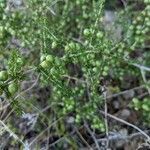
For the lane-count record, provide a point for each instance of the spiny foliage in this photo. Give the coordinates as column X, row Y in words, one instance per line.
column 74, row 49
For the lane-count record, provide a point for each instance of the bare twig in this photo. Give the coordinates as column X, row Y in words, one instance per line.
column 74, row 78
column 144, row 79
column 141, row 67
column 126, row 91
column 56, row 142
column 92, row 135
column 53, row 123
column 127, row 123
column 116, row 137
column 81, row 137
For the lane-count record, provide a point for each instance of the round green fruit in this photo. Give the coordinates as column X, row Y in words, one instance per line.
column 145, row 107
column 44, row 64
column 12, row 88
column 43, row 57
column 54, row 44
column 86, row 32
column 19, row 61
column 99, row 35
column 57, row 61
column 72, row 45
column 3, row 75
column 67, row 48
column 49, row 58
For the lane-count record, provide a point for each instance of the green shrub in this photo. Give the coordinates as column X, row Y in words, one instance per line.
column 65, row 35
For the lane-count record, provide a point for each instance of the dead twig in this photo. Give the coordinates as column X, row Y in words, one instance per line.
column 81, row 137
column 116, row 136
column 92, row 135
column 127, row 123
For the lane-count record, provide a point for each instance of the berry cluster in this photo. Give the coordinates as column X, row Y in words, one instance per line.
column 11, row 87
column 10, row 78
column 143, row 106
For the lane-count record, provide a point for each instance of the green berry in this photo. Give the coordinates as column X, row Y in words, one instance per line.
column 72, row 45
column 104, row 73
column 99, row 35
column 135, row 101
column 53, row 71
column 78, row 118
column 145, row 107
column 54, row 44
column 3, row 75
column 20, row 61
column 106, row 68
column 57, row 61
column 77, row 46
column 131, row 27
column 86, row 32
column 44, row 64
column 67, row 48
column 43, row 57
column 97, row 63
column 49, row 58
column 13, row 88
column 95, row 69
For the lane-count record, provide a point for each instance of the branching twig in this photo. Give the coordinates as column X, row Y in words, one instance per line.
column 81, row 137
column 127, row 123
